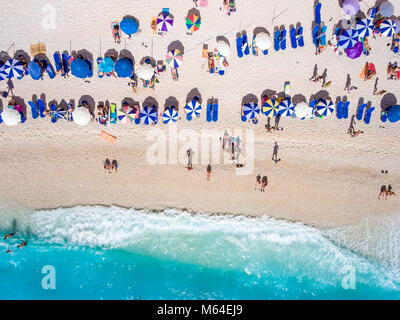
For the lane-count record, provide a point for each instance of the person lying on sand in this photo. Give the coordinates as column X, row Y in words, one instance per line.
column 22, row 245
column 9, row 235
column 356, row 133
column 366, row 47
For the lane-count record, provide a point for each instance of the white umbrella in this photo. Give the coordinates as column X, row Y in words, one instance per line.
column 397, row 22
column 145, row 72
column 263, row 41
column 81, row 116
column 11, row 117
column 303, row 110
column 386, row 9
column 223, row 48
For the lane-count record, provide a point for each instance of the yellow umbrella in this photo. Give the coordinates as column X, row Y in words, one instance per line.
column 270, row 108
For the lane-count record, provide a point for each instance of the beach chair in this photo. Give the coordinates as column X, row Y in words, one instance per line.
column 209, row 112
column 293, row 39
column 282, row 39
column 318, row 13
column 368, row 113
column 215, row 112
column 314, row 35
column 339, row 110
column 65, row 62
column 239, row 42
column 53, row 110
column 42, row 107
column 57, row 62
column 253, row 46
column 113, row 113
column 34, row 109
column 277, row 36
column 360, row 111
column 245, row 44
column 346, row 109
column 299, row 36
column 322, row 36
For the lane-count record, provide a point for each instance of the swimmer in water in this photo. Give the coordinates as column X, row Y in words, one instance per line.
column 8, row 235
column 22, row 245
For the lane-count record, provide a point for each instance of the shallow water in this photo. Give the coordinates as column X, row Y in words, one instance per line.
column 115, row 253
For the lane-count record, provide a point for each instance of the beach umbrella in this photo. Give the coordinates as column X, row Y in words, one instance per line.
column 34, row 70
column 193, row 108
column 123, row 67
column 223, row 48
column 263, row 41
column 286, row 108
column 387, row 28
column 164, row 22
column 364, row 27
column 129, row 26
column 170, row 115
column 148, row 115
column 145, row 72
column 394, row 113
column 397, row 22
column 348, row 38
column 270, row 108
column 13, row 68
column 351, row 7
column 251, row 110
column 355, row 52
column 174, row 58
column 81, row 116
column 193, row 22
column 386, row 9
column 303, row 110
column 324, row 107
column 80, row 68
column 106, row 65
column 126, row 114
column 10, row 116
column 2, row 73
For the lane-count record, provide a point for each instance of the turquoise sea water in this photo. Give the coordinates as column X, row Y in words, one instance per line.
column 115, row 253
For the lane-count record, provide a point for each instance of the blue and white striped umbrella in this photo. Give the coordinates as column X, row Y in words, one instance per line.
column 286, row 108
column 13, row 68
column 170, row 115
column 251, row 110
column 193, row 108
column 2, row 73
column 148, row 115
column 348, row 38
column 364, row 27
column 324, row 108
column 387, row 28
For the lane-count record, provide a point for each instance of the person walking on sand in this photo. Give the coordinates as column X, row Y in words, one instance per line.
column 107, row 165
column 264, row 183
column 114, row 166
column 383, row 193
column 258, row 182
column 190, row 154
column 275, row 153
column 208, row 172
column 389, row 191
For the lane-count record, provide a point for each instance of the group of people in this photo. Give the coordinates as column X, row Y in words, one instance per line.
column 385, row 192
column 261, row 183
column 393, row 71
column 110, row 166
column 21, row 245
column 232, row 145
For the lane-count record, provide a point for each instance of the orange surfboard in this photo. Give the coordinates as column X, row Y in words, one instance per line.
column 108, row 137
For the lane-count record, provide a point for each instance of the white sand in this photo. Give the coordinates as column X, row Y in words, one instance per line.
column 326, row 177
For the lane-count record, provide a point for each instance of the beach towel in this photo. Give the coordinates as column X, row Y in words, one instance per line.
column 203, row 3
column 38, row 48
column 339, row 110
column 108, row 137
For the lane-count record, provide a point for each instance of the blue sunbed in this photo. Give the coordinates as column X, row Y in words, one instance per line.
column 318, row 13
column 360, row 112
column 277, row 35
column 209, row 110
column 368, row 113
column 53, row 109
column 42, row 107
column 57, row 61
column 49, row 69
column 339, row 110
column 299, row 36
column 245, row 43
column 34, row 109
column 253, row 46
column 314, row 35
column 346, row 110
column 322, row 36
column 282, row 39
column 244, row 119
column 239, row 47
column 65, row 61
column 215, row 112
column 188, row 117
column 293, row 39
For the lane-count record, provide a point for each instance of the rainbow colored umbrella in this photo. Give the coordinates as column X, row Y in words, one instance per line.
column 193, row 22
column 174, row 58
column 270, row 108
column 126, row 115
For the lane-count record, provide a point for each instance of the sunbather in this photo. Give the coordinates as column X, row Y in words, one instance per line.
column 366, row 47
column 356, row 133
column 70, row 109
column 116, row 33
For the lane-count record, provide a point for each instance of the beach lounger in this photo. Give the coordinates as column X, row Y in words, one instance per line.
column 34, row 109
column 282, row 39
column 1, row 119
column 293, row 39
column 209, row 111
column 113, row 113
column 314, row 35
column 49, row 69
column 318, row 13
column 360, row 111
column 299, row 36
column 215, row 112
column 322, row 36
column 253, row 46
column 57, row 62
column 245, row 44
column 346, row 109
column 339, row 110
column 239, row 42
column 42, row 107
column 368, row 113
column 65, row 62
column 277, row 36
column 188, row 117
